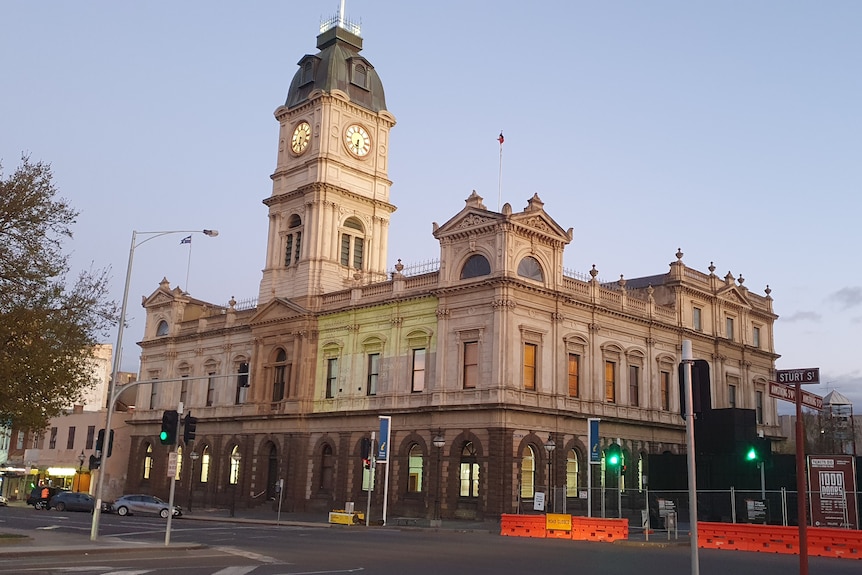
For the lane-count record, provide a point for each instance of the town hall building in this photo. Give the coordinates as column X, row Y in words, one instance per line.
column 490, row 362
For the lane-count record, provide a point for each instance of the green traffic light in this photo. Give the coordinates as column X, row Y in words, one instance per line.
column 163, row 435
column 751, row 455
column 613, row 460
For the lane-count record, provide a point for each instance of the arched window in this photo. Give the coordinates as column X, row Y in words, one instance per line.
column 475, row 266
column 280, row 372
column 531, row 269
column 469, row 471
column 293, row 240
column 162, row 329
column 572, row 474
column 415, row 461
column 233, row 475
column 528, row 472
column 353, row 243
column 148, row 462
column 179, row 462
column 205, row 464
column 327, row 468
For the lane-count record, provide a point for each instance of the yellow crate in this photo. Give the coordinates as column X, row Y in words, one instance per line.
column 342, row 518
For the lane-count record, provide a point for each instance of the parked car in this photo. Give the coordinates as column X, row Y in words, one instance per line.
column 144, row 505
column 3, row 501
column 72, row 501
column 41, row 496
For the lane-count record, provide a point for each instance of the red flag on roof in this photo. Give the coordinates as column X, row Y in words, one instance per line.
column 501, row 139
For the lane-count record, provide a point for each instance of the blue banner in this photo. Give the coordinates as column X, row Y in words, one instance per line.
column 383, row 446
column 593, row 440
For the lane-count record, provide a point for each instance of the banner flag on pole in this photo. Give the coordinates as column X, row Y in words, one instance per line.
column 186, row 240
column 383, row 447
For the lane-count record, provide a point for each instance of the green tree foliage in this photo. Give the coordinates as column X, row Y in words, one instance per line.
column 49, row 323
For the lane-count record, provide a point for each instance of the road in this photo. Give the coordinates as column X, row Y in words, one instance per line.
column 253, row 549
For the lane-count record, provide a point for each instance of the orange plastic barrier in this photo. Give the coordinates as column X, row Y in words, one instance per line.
column 597, row 529
column 523, row 526
column 822, row 542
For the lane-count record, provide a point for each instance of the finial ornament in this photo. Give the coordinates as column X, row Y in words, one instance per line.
column 711, row 267
column 594, row 272
column 679, row 254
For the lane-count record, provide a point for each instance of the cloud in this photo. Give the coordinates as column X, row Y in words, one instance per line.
column 847, row 297
column 801, row 316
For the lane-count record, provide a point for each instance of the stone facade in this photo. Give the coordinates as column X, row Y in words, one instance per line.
column 496, row 348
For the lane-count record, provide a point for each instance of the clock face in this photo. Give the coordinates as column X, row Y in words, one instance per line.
column 301, row 137
column 357, row 140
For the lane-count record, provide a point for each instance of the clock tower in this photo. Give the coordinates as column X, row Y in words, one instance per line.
column 329, row 209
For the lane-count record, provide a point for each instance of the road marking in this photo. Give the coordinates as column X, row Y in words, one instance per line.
column 248, row 555
column 236, row 570
column 356, row 570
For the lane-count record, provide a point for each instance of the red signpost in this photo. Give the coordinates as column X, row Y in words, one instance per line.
column 798, row 377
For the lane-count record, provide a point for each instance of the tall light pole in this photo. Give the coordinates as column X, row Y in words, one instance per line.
column 118, row 353
column 439, row 441
column 550, row 446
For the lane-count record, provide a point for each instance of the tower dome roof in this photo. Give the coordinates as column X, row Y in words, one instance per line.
column 337, row 66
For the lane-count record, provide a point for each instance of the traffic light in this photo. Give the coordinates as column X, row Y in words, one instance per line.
column 365, row 450
column 95, row 462
column 751, row 454
column 756, row 451
column 170, row 421
column 613, row 456
column 190, row 424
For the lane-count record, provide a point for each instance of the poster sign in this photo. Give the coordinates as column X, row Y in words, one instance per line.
column 383, row 447
column 755, row 510
column 593, row 440
column 832, row 484
column 538, row 501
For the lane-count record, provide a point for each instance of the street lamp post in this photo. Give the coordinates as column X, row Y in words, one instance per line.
column 235, row 457
column 550, row 446
column 194, row 457
column 81, row 459
column 118, row 352
column 439, row 441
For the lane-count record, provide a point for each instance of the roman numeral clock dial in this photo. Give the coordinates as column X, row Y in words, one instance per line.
column 357, row 140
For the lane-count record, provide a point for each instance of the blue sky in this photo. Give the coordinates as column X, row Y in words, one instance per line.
column 729, row 129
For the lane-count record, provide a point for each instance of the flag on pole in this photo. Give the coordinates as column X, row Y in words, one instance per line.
column 186, row 240
column 501, row 139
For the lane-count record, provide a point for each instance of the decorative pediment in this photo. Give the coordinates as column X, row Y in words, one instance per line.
column 735, row 295
column 279, row 309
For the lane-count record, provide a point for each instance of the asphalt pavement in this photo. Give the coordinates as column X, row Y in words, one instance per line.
column 18, row 542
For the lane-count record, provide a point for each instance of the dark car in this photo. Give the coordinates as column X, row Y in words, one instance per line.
column 41, row 496
column 72, row 501
column 144, row 505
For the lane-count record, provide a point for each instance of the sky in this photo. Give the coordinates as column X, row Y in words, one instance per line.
column 731, row 130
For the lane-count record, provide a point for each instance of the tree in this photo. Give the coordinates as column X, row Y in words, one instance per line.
column 49, row 326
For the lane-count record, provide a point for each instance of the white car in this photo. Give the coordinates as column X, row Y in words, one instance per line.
column 144, row 505
column 3, row 501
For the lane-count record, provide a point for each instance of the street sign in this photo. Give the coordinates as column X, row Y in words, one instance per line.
column 172, row 464
column 794, row 376
column 788, row 393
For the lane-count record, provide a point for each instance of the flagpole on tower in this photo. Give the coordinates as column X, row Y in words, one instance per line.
column 500, row 175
